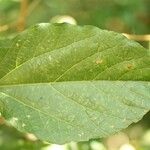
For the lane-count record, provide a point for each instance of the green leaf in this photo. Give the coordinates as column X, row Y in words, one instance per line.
column 70, row 83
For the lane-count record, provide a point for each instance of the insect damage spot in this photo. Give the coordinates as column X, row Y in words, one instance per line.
column 130, row 66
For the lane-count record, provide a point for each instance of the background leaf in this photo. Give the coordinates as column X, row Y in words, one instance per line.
column 17, row 140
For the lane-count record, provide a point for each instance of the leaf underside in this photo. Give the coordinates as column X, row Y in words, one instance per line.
column 70, row 83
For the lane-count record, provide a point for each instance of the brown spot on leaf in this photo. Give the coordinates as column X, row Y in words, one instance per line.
column 130, row 66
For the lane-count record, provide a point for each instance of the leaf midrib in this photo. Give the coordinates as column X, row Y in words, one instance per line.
column 70, row 82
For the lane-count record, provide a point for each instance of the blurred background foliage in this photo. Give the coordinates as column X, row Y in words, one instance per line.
column 124, row 16
column 129, row 16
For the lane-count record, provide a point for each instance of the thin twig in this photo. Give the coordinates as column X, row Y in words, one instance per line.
column 25, row 10
column 145, row 37
column 23, row 14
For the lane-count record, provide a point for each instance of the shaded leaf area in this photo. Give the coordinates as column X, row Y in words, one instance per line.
column 77, row 111
column 73, row 83
column 10, row 138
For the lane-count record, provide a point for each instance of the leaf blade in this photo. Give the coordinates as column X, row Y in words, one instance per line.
column 73, row 98
column 66, row 78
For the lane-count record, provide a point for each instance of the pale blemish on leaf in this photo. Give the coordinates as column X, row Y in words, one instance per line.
column 13, row 121
column 100, row 61
column 17, row 44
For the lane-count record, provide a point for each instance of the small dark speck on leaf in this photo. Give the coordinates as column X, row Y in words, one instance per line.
column 41, row 97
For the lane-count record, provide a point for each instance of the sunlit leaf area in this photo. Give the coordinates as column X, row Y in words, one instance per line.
column 74, row 74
